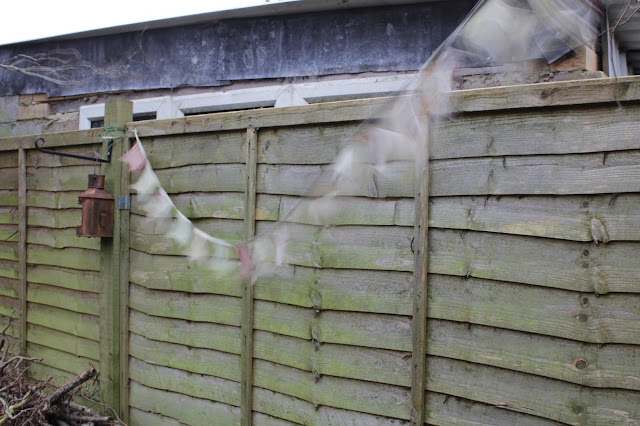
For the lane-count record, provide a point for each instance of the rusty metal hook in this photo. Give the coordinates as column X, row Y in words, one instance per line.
column 79, row 157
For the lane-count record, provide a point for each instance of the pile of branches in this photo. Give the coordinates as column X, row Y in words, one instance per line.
column 25, row 402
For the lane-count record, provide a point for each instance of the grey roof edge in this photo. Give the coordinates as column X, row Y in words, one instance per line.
column 268, row 9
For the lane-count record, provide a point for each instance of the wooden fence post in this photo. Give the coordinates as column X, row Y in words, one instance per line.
column 419, row 322
column 246, row 406
column 114, row 258
column 22, row 246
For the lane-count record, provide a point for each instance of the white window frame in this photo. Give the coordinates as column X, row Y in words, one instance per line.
column 259, row 97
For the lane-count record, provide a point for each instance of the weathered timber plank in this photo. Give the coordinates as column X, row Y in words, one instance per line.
column 13, row 330
column 53, row 200
column 9, row 215
column 333, row 289
column 172, row 304
column 443, row 409
column 60, row 238
column 54, row 218
column 374, row 365
column 566, row 217
column 9, row 269
column 194, row 334
column 75, row 137
column 373, row 398
column 352, row 247
column 182, row 407
column 9, row 159
column 149, row 234
column 552, row 399
column 195, row 360
column 77, row 324
column 88, row 281
column 59, row 359
column 141, row 417
column 541, row 131
column 9, row 178
column 328, row 112
column 9, row 288
column 314, row 144
column 361, row 329
column 179, row 381
column 204, row 178
column 247, row 320
column 9, row 233
column 190, row 149
column 7, row 304
column 554, row 174
column 71, row 178
column 8, row 198
column 585, row 267
column 606, row 319
column 77, row 301
column 9, row 251
column 303, row 412
column 78, row 346
column 227, row 205
column 611, row 365
column 579, row 92
column 22, row 245
column 41, row 159
column 74, row 258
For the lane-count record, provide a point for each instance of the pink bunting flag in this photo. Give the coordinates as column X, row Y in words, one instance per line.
column 246, row 264
column 135, row 158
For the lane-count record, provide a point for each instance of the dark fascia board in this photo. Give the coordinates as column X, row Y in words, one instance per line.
column 268, row 9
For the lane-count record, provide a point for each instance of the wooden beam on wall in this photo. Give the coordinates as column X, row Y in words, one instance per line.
column 247, row 285
column 113, row 267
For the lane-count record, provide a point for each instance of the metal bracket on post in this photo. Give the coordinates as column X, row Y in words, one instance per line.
column 124, row 202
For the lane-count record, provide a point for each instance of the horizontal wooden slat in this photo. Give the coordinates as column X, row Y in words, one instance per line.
column 8, row 159
column 8, row 251
column 590, row 91
column 9, row 215
column 566, row 217
column 185, row 408
column 539, row 132
column 9, row 269
column 196, row 334
column 552, row 399
column 77, row 324
column 60, row 238
column 60, row 360
column 225, row 205
column 141, row 417
column 314, row 144
column 8, row 198
column 72, row 300
column 75, row 137
column 78, row 346
column 9, row 179
column 9, row 287
column 585, row 267
column 53, row 200
column 355, row 110
column 333, row 289
column 614, row 318
column 41, row 159
column 360, row 329
column 73, row 279
column 206, row 178
column 71, row 178
column 374, row 365
column 74, row 258
column 9, row 233
column 610, row 365
column 54, row 218
column 204, row 148
column 7, row 305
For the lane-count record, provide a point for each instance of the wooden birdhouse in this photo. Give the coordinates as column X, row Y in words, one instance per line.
column 97, row 210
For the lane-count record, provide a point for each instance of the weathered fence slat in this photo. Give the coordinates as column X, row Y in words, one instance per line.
column 246, row 404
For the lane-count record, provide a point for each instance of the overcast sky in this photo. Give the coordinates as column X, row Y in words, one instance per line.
column 24, row 20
